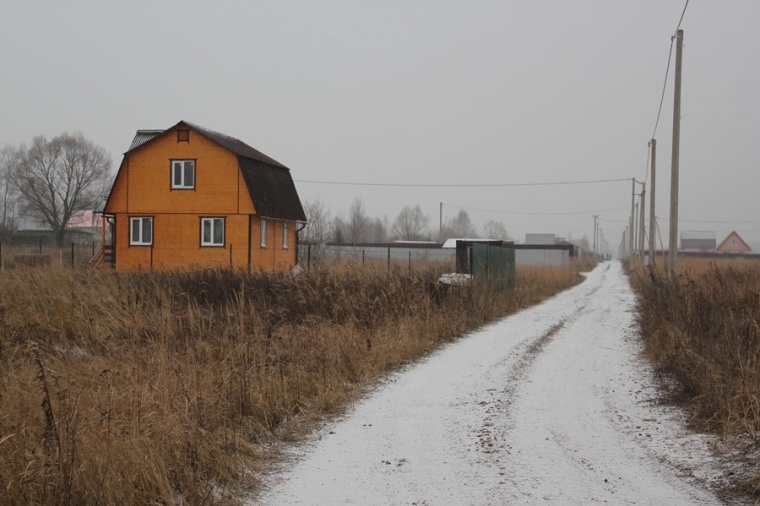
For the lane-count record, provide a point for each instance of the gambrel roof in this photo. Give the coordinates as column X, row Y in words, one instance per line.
column 269, row 182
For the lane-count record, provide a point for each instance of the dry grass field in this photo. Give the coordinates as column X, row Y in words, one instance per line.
column 703, row 330
column 174, row 388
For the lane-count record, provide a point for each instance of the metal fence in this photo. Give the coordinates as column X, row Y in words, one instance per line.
column 387, row 253
column 43, row 253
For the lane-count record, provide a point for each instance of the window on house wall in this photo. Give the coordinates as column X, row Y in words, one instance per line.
column 212, row 231
column 284, row 236
column 733, row 242
column 263, row 233
column 141, row 231
column 183, row 174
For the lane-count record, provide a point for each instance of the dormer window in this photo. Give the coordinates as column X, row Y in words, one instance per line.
column 183, row 174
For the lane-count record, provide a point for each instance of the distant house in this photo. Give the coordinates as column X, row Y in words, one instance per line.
column 733, row 244
column 191, row 197
column 698, row 242
column 540, row 239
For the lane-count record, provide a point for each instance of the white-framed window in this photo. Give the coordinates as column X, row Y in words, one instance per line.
column 212, row 231
column 263, row 233
column 183, row 174
column 284, row 235
column 141, row 231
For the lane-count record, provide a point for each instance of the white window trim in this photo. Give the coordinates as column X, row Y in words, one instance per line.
column 141, row 220
column 183, row 185
column 263, row 232
column 285, row 239
column 213, row 220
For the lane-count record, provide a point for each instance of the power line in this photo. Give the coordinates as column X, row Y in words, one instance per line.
column 667, row 70
column 723, row 222
column 472, row 185
column 535, row 214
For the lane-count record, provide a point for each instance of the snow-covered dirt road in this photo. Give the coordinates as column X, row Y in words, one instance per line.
column 551, row 405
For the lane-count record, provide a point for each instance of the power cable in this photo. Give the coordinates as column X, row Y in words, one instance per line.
column 667, row 70
column 534, row 214
column 472, row 185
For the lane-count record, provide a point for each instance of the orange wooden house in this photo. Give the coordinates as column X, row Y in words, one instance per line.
column 190, row 197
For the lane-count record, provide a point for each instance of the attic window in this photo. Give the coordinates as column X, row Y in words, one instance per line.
column 183, row 135
column 183, row 174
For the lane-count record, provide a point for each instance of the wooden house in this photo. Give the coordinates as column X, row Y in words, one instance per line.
column 698, row 242
column 188, row 197
column 733, row 244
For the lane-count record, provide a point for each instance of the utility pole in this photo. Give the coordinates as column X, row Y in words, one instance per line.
column 673, row 243
column 440, row 223
column 630, row 226
column 653, row 146
column 596, row 217
column 635, row 231
column 641, row 221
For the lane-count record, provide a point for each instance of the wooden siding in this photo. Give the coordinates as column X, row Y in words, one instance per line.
column 144, row 181
column 273, row 257
column 143, row 188
column 734, row 244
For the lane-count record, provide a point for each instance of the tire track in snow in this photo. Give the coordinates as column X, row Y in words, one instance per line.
column 522, row 411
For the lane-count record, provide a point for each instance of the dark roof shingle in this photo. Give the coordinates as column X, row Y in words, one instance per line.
column 269, row 182
column 272, row 190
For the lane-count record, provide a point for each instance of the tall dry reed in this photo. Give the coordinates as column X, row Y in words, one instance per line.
column 704, row 328
column 171, row 388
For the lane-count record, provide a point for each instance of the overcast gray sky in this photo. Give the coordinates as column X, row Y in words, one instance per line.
column 412, row 92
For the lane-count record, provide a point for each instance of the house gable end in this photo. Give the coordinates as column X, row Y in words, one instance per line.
column 726, row 246
column 272, row 190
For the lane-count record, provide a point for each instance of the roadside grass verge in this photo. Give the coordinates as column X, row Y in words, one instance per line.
column 174, row 388
column 703, row 330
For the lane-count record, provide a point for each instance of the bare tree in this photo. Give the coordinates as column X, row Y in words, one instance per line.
column 358, row 222
column 411, row 224
column 339, row 230
column 318, row 222
column 8, row 160
column 377, row 231
column 60, row 177
column 495, row 230
column 460, row 226
column 317, row 229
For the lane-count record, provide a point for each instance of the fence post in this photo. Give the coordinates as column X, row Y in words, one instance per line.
column 410, row 261
column 1, row 255
column 362, row 259
column 72, row 254
column 40, row 245
column 230, row 256
column 389, row 258
column 93, row 249
column 308, row 257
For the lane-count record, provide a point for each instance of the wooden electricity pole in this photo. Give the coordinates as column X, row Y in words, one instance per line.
column 673, row 243
column 630, row 226
column 641, row 221
column 440, row 223
column 653, row 146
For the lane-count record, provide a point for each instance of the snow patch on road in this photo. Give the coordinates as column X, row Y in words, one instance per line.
column 551, row 405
